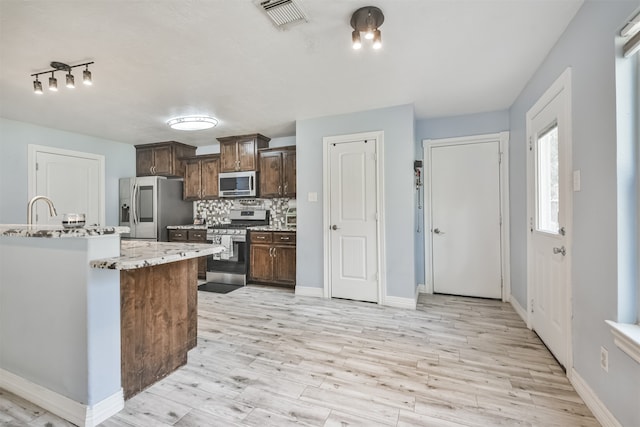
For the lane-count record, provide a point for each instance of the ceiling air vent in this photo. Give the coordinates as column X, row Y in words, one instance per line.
column 284, row 12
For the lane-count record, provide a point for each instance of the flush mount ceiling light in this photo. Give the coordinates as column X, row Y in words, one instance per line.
column 53, row 82
column 192, row 122
column 367, row 20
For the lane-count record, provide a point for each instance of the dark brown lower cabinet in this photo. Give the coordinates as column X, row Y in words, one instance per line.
column 158, row 315
column 272, row 257
column 192, row 236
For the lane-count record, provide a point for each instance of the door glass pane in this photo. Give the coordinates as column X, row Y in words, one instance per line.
column 145, row 207
column 547, row 193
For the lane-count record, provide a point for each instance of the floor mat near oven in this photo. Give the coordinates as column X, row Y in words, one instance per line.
column 219, row 288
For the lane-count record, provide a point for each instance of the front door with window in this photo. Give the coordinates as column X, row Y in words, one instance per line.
column 550, row 192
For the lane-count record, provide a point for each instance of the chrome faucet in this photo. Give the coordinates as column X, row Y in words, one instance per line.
column 52, row 209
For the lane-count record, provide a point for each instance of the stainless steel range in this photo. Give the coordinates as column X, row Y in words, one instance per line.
column 230, row 267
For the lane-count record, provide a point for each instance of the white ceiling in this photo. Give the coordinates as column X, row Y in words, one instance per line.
column 158, row 59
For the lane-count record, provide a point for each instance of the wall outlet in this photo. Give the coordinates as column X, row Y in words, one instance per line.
column 604, row 359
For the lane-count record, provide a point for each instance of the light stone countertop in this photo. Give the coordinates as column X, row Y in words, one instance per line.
column 57, row 231
column 187, row 227
column 138, row 254
column 271, row 228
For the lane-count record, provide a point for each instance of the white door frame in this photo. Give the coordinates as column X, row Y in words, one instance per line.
column 562, row 86
column 33, row 150
column 503, row 139
column 326, row 207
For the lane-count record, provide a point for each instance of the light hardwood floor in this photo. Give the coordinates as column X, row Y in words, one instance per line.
column 268, row 358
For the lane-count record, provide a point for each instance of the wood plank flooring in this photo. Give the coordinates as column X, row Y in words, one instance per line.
column 268, row 358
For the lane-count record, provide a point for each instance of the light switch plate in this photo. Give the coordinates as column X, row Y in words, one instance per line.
column 576, row 180
column 313, row 197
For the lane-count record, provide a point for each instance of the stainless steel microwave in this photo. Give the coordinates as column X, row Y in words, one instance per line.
column 237, row 184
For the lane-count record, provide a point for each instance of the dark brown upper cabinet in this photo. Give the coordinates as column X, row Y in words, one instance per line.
column 278, row 172
column 240, row 153
column 201, row 177
column 162, row 158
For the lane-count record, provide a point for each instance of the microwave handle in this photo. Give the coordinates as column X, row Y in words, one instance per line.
column 252, row 183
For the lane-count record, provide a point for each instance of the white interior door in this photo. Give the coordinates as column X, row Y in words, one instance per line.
column 465, row 219
column 73, row 181
column 353, row 235
column 550, row 188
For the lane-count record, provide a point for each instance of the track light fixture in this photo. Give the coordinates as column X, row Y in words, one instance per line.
column 53, row 82
column 367, row 19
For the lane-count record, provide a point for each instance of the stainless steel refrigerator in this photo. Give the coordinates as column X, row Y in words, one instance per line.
column 148, row 204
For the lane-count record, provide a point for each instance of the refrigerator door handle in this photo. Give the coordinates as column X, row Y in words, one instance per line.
column 134, row 204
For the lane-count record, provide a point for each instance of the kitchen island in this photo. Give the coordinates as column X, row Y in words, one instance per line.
column 158, row 307
column 60, row 313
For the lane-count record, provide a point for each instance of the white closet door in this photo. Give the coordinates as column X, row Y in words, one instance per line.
column 73, row 182
column 465, row 196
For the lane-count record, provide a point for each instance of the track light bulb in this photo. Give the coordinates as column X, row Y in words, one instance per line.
column 37, row 87
column 86, row 77
column 355, row 39
column 53, row 83
column 70, row 81
column 370, row 27
column 377, row 39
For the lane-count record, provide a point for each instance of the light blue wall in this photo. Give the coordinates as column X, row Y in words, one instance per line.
column 470, row 124
column 587, row 46
column 120, row 161
column 450, row 127
column 398, row 126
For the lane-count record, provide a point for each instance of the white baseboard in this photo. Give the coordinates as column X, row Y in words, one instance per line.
column 518, row 308
column 600, row 411
column 400, row 302
column 309, row 291
column 62, row 406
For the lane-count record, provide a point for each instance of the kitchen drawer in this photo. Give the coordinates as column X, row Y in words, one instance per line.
column 284, row 237
column 261, row 237
column 178, row 235
column 197, row 235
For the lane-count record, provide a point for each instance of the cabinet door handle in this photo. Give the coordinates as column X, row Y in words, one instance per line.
column 260, row 237
column 280, row 189
column 271, row 252
column 285, row 188
column 274, row 252
column 284, row 238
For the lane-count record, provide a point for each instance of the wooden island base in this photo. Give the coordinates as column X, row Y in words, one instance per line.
column 158, row 321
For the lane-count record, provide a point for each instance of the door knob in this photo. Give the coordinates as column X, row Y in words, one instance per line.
column 334, row 227
column 437, row 231
column 560, row 250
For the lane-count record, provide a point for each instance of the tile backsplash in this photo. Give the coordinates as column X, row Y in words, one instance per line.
column 217, row 211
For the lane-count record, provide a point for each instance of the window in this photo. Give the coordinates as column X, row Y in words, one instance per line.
column 626, row 328
column 547, row 200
